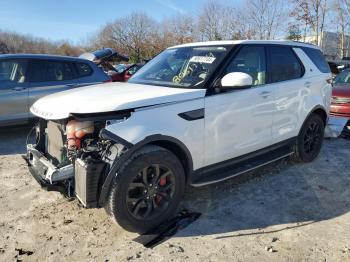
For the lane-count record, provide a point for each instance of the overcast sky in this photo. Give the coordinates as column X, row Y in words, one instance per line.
column 74, row 20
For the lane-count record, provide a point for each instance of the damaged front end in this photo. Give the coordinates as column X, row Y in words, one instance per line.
column 74, row 155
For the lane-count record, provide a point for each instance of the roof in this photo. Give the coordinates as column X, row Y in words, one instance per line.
column 236, row 42
column 41, row 56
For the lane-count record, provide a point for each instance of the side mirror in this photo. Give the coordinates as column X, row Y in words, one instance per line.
column 236, row 80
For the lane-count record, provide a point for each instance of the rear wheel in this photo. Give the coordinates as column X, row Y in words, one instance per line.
column 147, row 189
column 310, row 139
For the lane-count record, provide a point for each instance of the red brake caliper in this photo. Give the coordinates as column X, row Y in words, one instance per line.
column 162, row 182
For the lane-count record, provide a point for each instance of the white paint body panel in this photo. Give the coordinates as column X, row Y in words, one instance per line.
column 164, row 120
column 294, row 99
column 108, row 97
column 237, row 122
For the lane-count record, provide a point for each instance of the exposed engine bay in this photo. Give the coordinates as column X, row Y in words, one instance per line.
column 73, row 156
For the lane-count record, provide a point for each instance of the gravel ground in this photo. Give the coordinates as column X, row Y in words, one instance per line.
column 282, row 212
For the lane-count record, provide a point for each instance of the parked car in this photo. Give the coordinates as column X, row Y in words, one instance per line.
column 196, row 114
column 124, row 72
column 25, row 78
column 104, row 59
column 341, row 95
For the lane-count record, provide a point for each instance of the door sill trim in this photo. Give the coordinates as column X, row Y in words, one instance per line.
column 241, row 172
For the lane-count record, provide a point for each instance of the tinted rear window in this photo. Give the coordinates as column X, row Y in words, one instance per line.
column 284, row 64
column 83, row 69
column 50, row 71
column 317, row 58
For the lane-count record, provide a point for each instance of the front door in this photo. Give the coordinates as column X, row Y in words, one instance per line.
column 13, row 91
column 238, row 122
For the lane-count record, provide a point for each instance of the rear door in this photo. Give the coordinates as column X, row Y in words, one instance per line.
column 13, row 91
column 286, row 79
column 50, row 76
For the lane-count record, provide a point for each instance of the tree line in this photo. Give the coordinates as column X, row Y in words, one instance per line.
column 141, row 37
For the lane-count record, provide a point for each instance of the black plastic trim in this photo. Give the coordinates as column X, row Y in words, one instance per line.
column 119, row 161
column 313, row 111
column 193, row 114
column 237, row 160
column 102, row 116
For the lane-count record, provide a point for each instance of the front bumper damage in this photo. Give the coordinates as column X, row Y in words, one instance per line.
column 88, row 179
column 45, row 173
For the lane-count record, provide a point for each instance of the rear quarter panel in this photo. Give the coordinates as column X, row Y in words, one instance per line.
column 318, row 94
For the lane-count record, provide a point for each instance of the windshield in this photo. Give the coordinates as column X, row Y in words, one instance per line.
column 342, row 78
column 187, row 67
column 120, row 68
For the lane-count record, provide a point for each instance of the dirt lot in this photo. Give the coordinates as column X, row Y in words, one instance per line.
column 284, row 212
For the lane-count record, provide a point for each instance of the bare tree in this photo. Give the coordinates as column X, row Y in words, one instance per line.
column 216, row 22
column 3, row 48
column 313, row 14
column 176, row 30
column 133, row 34
column 266, row 16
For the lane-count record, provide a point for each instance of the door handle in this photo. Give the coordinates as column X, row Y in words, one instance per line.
column 264, row 94
column 18, row 88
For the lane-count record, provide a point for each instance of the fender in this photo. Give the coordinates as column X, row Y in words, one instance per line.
column 131, row 149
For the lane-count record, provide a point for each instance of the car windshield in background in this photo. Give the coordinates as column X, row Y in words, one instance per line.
column 120, row 68
column 343, row 78
column 187, row 67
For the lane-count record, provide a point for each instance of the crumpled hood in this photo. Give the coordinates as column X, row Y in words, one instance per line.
column 109, row 97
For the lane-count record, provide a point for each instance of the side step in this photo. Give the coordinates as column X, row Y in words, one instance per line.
column 239, row 167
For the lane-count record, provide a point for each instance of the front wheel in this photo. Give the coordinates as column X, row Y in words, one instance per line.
column 310, row 139
column 146, row 190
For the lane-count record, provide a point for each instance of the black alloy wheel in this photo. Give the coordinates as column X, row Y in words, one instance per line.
column 151, row 191
column 147, row 189
column 310, row 139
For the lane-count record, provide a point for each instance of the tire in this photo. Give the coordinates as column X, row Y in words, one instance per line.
column 309, row 140
column 128, row 203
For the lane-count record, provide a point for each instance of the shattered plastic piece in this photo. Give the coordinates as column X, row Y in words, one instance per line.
column 169, row 228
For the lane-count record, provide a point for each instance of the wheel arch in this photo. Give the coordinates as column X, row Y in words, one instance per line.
column 172, row 144
column 319, row 110
column 322, row 113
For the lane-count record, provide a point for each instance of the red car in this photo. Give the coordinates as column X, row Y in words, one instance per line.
column 123, row 72
column 341, row 95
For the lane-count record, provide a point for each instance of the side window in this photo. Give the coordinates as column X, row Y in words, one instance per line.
column 13, row 71
column 250, row 60
column 50, row 71
column 317, row 58
column 37, row 71
column 284, row 64
column 83, row 69
column 59, row 71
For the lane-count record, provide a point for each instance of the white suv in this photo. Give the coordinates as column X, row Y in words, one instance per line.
column 195, row 114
